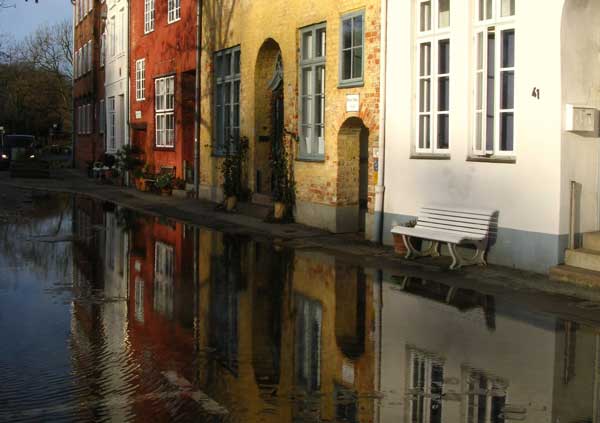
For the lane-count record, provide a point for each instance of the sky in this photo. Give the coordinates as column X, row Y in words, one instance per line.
column 18, row 22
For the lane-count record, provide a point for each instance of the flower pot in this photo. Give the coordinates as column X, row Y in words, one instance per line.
column 230, row 203
column 278, row 210
column 399, row 245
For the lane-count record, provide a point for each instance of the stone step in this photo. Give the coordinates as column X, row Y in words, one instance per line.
column 591, row 241
column 583, row 258
column 575, row 275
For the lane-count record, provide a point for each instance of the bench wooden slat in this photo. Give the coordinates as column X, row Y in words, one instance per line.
column 442, row 227
column 454, row 222
column 460, row 210
column 457, row 218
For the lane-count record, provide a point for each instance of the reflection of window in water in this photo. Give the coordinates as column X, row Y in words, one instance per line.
column 308, row 343
column 225, row 279
column 139, row 300
column 163, row 278
column 425, row 388
column 84, row 227
column 111, row 228
column 486, row 398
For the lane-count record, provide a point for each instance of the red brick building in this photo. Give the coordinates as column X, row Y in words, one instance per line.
column 162, row 69
column 88, row 81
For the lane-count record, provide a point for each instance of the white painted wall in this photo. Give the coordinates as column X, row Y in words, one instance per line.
column 581, row 85
column 521, row 351
column 117, row 40
column 526, row 194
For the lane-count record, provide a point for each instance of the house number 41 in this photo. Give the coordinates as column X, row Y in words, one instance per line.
column 535, row 93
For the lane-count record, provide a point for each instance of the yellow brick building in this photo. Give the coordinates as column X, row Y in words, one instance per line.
column 305, row 73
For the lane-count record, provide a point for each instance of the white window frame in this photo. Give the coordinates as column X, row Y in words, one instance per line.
column 432, row 36
column 493, row 386
column 422, row 394
column 497, row 24
column 228, row 77
column 101, row 117
column 174, row 11
column 140, row 79
column 90, row 112
column 111, row 114
column 102, row 49
column 89, row 55
column 164, row 107
column 148, row 16
column 311, row 62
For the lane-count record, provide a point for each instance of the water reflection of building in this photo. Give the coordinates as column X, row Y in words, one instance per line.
column 455, row 355
column 288, row 333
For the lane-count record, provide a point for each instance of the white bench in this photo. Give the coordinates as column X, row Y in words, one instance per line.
column 453, row 226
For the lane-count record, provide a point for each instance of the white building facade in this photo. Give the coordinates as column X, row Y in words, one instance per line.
column 116, row 62
column 476, row 102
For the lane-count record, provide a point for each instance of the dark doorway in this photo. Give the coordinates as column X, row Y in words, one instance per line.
column 277, row 125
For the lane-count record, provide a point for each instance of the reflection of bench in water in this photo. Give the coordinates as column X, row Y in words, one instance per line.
column 462, row 299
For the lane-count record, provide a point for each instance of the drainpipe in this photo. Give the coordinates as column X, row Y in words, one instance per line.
column 197, row 100
column 73, row 92
column 380, row 187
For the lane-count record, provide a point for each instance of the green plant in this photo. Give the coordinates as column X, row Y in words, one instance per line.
column 233, row 167
column 126, row 158
column 164, row 181
column 284, row 185
column 138, row 173
column 410, row 224
column 178, row 183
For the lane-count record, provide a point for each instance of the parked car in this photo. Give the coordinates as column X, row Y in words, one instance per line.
column 14, row 147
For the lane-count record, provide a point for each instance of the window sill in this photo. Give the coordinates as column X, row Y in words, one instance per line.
column 173, row 21
column 350, row 84
column 493, row 159
column 429, row 156
column 161, row 148
column 148, row 32
column 311, row 159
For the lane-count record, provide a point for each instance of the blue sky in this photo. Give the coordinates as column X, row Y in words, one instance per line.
column 27, row 16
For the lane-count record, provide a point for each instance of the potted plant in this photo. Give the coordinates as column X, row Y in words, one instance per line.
column 232, row 170
column 126, row 160
column 179, row 188
column 284, row 186
column 399, row 245
column 164, row 183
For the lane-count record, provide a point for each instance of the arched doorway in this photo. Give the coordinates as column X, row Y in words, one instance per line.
column 353, row 172
column 269, row 115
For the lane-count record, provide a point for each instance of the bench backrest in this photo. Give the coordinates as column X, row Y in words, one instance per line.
column 456, row 219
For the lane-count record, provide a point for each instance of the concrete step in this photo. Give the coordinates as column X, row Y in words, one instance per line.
column 583, row 258
column 575, row 275
column 591, row 241
column 258, row 211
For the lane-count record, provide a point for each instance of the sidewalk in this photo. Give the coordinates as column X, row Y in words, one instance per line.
column 345, row 246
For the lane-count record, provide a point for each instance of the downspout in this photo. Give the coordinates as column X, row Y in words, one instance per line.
column 380, row 187
column 128, row 89
column 197, row 100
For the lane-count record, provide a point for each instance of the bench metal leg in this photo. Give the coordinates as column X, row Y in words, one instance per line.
column 458, row 261
column 431, row 251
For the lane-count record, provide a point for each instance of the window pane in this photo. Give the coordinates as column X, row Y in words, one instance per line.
column 506, row 131
column 443, row 131
column 478, row 130
column 479, row 90
column 307, row 81
column 320, row 80
column 306, row 111
column 347, row 33
column 444, row 13
column 508, row 48
column 508, row 90
column 236, row 115
column 236, row 62
column 425, row 59
column 236, row 92
column 424, row 141
column 425, row 89
column 219, row 65
column 490, row 92
column 227, row 64
column 508, row 8
column 358, row 31
column 306, row 145
column 444, row 56
column 480, row 50
column 320, row 109
column 425, row 16
column 321, row 42
column 347, row 64
column 307, row 45
column 319, row 141
column 444, row 94
column 357, row 63
column 488, row 9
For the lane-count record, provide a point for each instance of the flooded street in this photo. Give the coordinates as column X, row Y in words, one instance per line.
column 108, row 315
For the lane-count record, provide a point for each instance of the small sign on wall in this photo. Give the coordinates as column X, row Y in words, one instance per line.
column 138, row 114
column 352, row 102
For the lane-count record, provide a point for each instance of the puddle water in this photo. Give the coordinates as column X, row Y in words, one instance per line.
column 107, row 315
